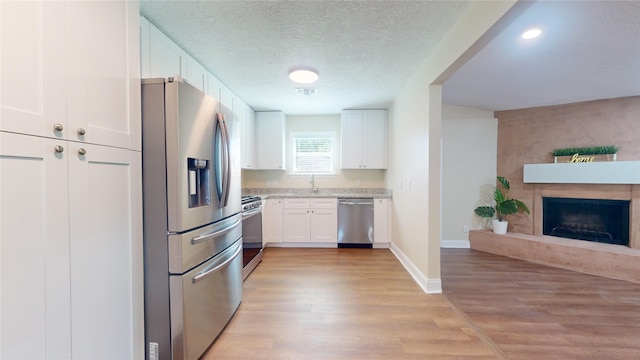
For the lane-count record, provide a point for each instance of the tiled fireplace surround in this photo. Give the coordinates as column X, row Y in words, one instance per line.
column 528, row 136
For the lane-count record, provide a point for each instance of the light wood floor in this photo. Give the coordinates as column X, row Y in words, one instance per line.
column 362, row 304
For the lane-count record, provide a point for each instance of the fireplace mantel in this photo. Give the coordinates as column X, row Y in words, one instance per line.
column 606, row 172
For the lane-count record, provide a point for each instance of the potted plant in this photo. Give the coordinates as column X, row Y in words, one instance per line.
column 503, row 206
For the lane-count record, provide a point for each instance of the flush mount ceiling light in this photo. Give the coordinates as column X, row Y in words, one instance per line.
column 530, row 34
column 303, row 76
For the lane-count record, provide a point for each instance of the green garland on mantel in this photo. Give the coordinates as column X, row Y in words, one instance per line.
column 590, row 150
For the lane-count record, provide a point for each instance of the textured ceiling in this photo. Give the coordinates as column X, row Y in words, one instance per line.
column 366, row 51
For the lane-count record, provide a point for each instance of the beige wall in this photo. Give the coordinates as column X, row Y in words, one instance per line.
column 415, row 139
column 528, row 136
column 342, row 179
column 469, row 152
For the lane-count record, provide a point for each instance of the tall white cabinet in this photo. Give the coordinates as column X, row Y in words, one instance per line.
column 364, row 139
column 70, row 181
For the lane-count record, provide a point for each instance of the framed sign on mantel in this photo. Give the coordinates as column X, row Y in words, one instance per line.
column 585, row 154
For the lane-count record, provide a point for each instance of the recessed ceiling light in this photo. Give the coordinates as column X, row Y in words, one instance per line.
column 303, row 76
column 530, row 34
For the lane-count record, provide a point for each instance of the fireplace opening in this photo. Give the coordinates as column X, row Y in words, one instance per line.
column 604, row 221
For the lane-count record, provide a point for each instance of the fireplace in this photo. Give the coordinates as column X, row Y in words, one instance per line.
column 604, row 221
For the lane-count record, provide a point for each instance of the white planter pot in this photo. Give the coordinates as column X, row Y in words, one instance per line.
column 499, row 227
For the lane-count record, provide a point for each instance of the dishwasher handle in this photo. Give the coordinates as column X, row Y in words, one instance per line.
column 365, row 201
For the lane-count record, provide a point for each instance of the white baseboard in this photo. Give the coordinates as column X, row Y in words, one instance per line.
column 429, row 286
column 455, row 244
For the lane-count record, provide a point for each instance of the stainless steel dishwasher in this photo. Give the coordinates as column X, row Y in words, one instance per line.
column 355, row 223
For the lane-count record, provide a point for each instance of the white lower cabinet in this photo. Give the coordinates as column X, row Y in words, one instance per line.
column 272, row 223
column 310, row 220
column 381, row 222
column 70, row 249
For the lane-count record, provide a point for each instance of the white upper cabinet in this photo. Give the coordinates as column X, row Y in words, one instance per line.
column 270, row 140
column 213, row 86
column 100, row 53
column 72, row 71
column 227, row 98
column 364, row 139
column 166, row 58
column 32, row 76
column 245, row 114
column 197, row 75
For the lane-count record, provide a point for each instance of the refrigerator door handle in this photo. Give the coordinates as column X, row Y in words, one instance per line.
column 227, row 165
column 219, row 159
column 205, row 237
column 212, row 270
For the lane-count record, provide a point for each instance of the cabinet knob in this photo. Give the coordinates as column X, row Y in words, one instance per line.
column 82, row 151
column 81, row 131
column 58, row 127
column 58, row 148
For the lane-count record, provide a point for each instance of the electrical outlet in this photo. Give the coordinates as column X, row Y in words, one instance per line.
column 358, row 183
column 465, row 228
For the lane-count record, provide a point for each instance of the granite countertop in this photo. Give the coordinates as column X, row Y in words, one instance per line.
column 267, row 193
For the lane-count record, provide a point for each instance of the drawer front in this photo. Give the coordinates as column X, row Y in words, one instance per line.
column 296, row 203
column 324, row 203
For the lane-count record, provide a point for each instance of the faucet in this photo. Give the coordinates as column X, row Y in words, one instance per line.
column 313, row 184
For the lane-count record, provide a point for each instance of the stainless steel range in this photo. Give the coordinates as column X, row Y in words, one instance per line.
column 251, row 233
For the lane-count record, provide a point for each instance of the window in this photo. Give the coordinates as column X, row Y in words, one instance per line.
column 313, row 152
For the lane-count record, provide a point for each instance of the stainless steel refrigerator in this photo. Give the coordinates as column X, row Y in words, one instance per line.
column 192, row 219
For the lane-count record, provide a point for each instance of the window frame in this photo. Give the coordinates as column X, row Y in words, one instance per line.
column 294, row 135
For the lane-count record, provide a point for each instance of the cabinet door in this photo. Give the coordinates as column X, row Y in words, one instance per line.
column 245, row 114
column 324, row 225
column 381, row 221
column 269, row 131
column 213, row 86
column 32, row 68
column 272, row 222
column 105, row 244
column 374, row 154
column 351, row 139
column 196, row 74
column 250, row 129
column 34, row 249
column 166, row 58
column 102, row 43
column 296, row 225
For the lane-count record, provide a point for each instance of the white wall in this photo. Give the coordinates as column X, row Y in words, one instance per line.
column 415, row 138
column 469, row 153
column 342, row 179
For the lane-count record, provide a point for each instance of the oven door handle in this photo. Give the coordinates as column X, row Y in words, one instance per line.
column 208, row 272
column 205, row 237
column 250, row 213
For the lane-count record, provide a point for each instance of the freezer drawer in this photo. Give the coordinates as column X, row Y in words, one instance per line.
column 355, row 222
column 203, row 301
column 191, row 248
